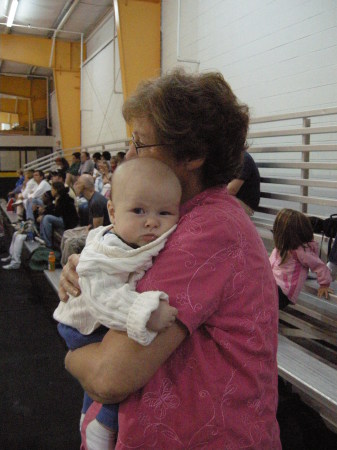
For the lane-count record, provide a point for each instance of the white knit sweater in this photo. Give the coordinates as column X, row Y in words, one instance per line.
column 108, row 271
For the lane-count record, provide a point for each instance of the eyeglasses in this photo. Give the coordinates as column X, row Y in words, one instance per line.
column 141, row 146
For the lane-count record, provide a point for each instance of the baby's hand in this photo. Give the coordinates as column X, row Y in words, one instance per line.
column 163, row 317
column 324, row 291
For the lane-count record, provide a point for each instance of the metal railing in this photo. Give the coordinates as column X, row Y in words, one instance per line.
column 46, row 163
column 298, row 163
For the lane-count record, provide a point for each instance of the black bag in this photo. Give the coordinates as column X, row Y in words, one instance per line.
column 325, row 227
column 317, row 224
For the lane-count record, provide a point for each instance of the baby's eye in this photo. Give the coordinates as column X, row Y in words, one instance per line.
column 165, row 213
column 138, row 210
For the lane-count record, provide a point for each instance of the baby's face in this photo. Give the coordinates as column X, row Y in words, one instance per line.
column 141, row 214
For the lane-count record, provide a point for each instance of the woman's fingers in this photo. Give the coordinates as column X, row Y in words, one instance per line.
column 69, row 279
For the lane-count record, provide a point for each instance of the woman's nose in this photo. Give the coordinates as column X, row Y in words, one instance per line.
column 131, row 153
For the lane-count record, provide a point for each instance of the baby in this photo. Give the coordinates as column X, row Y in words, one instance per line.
column 144, row 210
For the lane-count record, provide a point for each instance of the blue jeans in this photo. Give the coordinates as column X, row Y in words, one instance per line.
column 46, row 228
column 108, row 414
column 29, row 209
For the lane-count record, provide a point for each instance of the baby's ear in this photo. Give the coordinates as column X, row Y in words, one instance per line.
column 111, row 211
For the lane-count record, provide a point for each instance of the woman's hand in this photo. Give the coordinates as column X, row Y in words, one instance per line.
column 324, row 292
column 69, row 279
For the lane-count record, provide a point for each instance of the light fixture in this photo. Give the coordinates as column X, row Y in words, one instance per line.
column 12, row 12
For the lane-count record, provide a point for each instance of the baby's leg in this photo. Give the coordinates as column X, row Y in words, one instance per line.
column 87, row 402
column 101, row 433
column 163, row 317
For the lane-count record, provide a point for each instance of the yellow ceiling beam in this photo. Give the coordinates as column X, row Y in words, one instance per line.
column 37, row 51
column 138, row 29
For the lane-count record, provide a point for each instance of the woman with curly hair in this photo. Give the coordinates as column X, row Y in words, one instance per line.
column 210, row 380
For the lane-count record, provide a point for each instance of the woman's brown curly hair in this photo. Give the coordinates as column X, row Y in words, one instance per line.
column 199, row 116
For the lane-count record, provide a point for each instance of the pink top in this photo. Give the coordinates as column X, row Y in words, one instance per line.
column 219, row 388
column 291, row 275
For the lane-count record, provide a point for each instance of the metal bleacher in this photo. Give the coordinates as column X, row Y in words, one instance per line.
column 297, row 157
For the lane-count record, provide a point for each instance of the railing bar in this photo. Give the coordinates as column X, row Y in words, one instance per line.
column 292, row 132
column 296, row 115
column 293, row 148
column 299, row 181
column 296, row 165
column 299, row 199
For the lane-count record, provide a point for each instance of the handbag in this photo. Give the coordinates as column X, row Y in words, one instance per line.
column 325, row 227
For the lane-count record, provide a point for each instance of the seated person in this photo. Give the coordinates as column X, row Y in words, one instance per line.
column 18, row 185
column 73, row 240
column 72, row 172
column 246, row 187
column 35, row 198
column 64, row 216
column 144, row 210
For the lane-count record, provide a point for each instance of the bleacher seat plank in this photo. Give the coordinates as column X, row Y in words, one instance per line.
column 11, row 216
column 308, row 374
column 54, row 278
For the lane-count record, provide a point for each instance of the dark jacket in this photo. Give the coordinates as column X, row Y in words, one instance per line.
column 65, row 208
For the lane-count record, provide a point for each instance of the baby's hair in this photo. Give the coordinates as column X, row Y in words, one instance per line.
column 291, row 230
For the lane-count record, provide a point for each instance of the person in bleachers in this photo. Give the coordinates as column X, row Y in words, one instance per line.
column 103, row 181
column 246, row 187
column 73, row 240
column 61, row 164
column 294, row 254
column 28, row 187
column 18, row 185
column 87, row 164
column 120, row 157
column 106, row 155
column 72, row 172
column 35, row 198
column 61, row 177
column 64, row 216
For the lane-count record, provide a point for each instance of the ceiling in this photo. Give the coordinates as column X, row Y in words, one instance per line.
column 67, row 18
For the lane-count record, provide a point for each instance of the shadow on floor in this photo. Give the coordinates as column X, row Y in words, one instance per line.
column 40, row 401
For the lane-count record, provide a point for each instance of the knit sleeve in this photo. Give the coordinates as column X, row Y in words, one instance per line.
column 123, row 309
column 308, row 258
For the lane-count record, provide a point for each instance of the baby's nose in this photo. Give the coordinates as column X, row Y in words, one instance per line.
column 151, row 222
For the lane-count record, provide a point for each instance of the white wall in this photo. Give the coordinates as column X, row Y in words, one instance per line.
column 102, row 99
column 278, row 55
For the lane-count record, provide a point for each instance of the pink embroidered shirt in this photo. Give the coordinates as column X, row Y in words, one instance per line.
column 219, row 388
column 291, row 275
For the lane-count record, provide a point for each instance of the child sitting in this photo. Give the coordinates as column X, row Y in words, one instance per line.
column 144, row 210
column 294, row 254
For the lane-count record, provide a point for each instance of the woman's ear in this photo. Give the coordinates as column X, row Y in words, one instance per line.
column 194, row 164
column 111, row 211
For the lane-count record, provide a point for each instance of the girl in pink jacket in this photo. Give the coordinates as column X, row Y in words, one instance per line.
column 294, row 254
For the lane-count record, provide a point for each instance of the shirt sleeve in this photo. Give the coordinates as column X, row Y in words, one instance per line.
column 308, row 258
